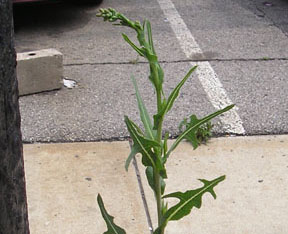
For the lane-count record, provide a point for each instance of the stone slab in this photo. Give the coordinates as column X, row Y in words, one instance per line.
column 39, row 71
column 63, row 181
column 252, row 198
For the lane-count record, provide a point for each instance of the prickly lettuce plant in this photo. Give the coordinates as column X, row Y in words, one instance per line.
column 202, row 135
column 149, row 140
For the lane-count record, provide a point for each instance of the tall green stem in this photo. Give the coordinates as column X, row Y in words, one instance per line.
column 159, row 101
column 157, row 177
column 158, row 194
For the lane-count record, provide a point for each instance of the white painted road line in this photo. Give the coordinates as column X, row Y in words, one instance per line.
column 206, row 74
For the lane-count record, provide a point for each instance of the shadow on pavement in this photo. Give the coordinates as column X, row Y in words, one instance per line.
column 55, row 17
column 275, row 11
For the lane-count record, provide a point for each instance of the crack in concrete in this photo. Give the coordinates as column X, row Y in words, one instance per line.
column 126, row 138
column 264, row 59
column 142, row 192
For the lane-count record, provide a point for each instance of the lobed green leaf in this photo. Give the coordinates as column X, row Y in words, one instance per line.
column 199, row 135
column 188, row 200
column 111, row 226
column 145, row 147
column 141, row 145
column 195, row 126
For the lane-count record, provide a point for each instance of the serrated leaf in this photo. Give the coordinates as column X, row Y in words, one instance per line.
column 188, row 200
column 145, row 118
column 138, row 50
column 193, row 127
column 197, row 136
column 142, row 145
column 111, row 226
column 171, row 99
column 146, row 147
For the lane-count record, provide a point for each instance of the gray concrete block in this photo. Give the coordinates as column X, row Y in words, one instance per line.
column 39, row 71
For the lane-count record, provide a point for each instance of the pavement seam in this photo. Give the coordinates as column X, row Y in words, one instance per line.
column 181, row 61
column 125, row 138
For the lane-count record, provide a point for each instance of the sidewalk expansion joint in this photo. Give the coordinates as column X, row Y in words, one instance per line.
column 264, row 59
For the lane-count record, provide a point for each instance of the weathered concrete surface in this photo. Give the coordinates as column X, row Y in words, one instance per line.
column 39, row 71
column 95, row 109
column 63, row 181
column 224, row 29
column 252, row 199
column 244, row 41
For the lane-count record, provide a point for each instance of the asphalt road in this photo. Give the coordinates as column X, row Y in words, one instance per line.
column 241, row 48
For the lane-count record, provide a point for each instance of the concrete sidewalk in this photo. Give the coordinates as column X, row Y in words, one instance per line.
column 63, row 181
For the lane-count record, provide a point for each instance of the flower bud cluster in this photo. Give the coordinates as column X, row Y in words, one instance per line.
column 109, row 14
